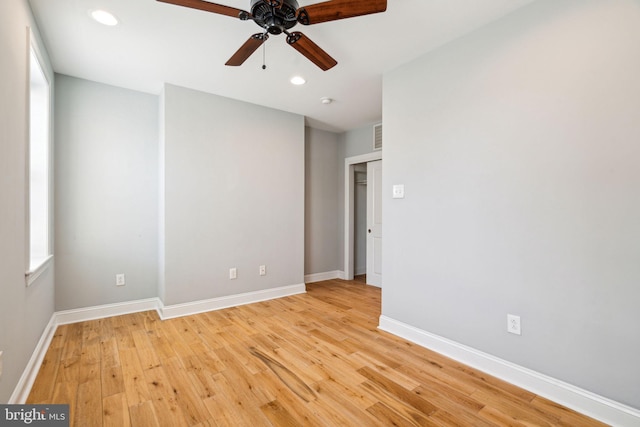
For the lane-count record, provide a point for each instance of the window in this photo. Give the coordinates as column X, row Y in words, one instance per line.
column 39, row 175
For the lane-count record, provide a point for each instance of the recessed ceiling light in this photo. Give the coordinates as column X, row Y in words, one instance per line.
column 104, row 17
column 297, row 80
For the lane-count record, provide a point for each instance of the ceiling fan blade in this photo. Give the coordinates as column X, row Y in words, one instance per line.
column 209, row 7
column 339, row 9
column 312, row 51
column 245, row 51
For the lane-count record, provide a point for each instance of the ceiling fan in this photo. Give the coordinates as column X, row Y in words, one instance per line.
column 279, row 16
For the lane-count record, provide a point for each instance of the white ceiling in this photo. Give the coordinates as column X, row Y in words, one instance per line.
column 158, row 42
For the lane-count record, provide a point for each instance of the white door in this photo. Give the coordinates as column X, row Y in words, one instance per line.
column 374, row 223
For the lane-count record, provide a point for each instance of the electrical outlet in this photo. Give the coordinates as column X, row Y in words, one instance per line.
column 513, row 324
column 263, row 270
column 120, row 279
column 398, row 191
column 233, row 273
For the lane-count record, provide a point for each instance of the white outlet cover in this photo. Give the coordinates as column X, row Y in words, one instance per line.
column 513, row 324
column 120, row 280
column 398, row 191
column 233, row 273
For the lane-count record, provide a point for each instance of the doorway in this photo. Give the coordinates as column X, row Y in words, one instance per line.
column 353, row 168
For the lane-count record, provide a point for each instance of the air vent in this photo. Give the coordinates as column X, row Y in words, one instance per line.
column 377, row 137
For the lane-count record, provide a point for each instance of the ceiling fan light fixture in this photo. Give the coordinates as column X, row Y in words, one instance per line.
column 104, row 17
column 279, row 16
column 297, row 80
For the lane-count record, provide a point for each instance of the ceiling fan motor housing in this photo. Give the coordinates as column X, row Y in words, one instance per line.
column 275, row 16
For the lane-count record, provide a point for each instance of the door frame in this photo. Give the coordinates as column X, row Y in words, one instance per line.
column 349, row 193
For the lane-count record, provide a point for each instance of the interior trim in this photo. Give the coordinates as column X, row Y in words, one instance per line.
column 327, row 275
column 349, row 178
column 202, row 306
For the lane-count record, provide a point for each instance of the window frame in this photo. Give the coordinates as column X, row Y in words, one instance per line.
column 34, row 51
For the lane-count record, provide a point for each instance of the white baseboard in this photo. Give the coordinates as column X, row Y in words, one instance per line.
column 195, row 307
column 23, row 388
column 107, row 310
column 580, row 400
column 327, row 275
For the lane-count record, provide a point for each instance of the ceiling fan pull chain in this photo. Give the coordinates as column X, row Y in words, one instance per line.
column 264, row 54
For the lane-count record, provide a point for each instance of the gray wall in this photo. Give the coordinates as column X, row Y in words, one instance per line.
column 24, row 312
column 233, row 195
column 518, row 147
column 357, row 142
column 106, row 193
column 322, row 215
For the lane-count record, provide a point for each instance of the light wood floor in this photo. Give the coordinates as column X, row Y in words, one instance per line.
column 315, row 359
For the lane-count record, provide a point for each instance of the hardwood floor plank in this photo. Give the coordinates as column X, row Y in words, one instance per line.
column 184, row 392
column 109, row 352
column 446, row 418
column 278, row 415
column 245, row 380
column 112, row 380
column 488, row 383
column 518, row 411
column 301, row 362
column 449, row 399
column 88, row 406
column 434, row 374
column 397, row 390
column 144, row 415
column 390, row 417
column 163, row 348
column 162, row 396
column 286, row 375
column 115, row 412
column 90, row 365
column 234, row 407
column 146, row 353
column 514, row 401
column 339, row 407
column 499, row 418
column 65, row 394
column 172, row 331
column 133, row 375
column 46, row 379
column 398, row 405
column 394, row 375
column 314, row 359
column 200, row 374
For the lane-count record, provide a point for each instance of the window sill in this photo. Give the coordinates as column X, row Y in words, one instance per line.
column 33, row 274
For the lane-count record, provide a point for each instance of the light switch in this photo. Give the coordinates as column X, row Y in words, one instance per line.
column 398, row 191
